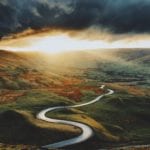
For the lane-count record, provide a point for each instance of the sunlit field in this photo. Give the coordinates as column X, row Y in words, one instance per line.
column 30, row 82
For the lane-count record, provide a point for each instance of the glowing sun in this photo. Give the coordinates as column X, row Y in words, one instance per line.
column 63, row 42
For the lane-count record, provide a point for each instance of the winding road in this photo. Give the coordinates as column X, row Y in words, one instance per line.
column 87, row 131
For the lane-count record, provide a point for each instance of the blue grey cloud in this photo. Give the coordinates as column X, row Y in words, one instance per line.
column 118, row 16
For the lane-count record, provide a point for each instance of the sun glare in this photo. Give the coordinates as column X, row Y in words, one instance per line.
column 63, row 42
column 53, row 44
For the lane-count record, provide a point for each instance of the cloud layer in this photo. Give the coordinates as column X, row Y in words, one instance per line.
column 116, row 16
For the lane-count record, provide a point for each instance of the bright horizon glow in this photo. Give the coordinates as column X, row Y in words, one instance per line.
column 63, row 42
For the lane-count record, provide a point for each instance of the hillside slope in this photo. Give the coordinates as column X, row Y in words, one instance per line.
column 30, row 82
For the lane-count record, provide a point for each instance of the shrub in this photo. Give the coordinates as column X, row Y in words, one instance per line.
column 24, row 84
column 6, row 83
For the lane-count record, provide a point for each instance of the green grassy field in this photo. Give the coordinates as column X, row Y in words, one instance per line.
column 18, row 123
column 117, row 119
column 121, row 118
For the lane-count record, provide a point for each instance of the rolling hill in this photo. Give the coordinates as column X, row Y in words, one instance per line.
column 30, row 82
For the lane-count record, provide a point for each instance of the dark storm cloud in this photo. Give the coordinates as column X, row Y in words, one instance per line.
column 118, row 16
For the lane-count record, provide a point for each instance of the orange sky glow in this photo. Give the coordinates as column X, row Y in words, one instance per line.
column 55, row 42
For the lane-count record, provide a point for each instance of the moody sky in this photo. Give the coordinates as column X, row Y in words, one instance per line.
column 119, row 18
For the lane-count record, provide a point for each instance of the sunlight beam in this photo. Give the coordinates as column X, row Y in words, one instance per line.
column 63, row 42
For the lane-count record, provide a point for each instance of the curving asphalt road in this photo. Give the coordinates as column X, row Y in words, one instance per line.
column 87, row 131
